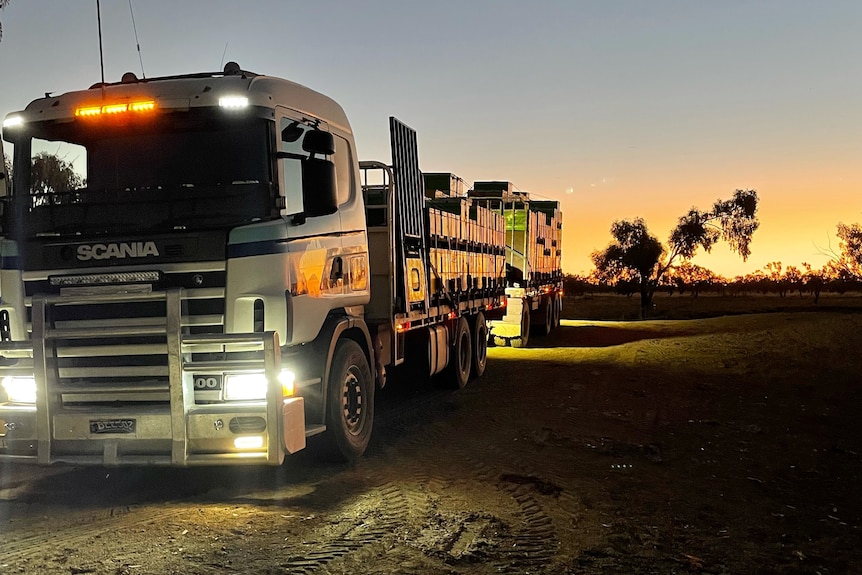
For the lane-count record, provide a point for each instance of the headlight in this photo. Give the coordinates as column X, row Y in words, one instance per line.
column 287, row 379
column 245, row 386
column 252, row 386
column 20, row 389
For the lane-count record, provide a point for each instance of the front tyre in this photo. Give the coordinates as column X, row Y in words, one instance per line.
column 349, row 401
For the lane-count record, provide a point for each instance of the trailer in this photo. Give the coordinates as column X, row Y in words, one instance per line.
column 211, row 277
column 533, row 262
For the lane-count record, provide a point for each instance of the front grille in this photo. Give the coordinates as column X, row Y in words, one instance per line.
column 203, row 304
column 112, row 349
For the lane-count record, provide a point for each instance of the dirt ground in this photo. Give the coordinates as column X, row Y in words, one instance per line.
column 720, row 445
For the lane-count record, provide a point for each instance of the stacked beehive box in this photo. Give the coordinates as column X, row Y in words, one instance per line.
column 546, row 226
column 466, row 241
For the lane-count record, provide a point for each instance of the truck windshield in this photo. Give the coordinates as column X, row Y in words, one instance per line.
column 180, row 170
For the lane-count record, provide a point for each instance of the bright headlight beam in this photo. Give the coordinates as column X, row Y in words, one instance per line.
column 245, row 387
column 288, row 381
column 20, row 389
column 248, row 442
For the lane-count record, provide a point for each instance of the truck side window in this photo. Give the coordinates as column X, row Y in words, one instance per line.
column 343, row 170
column 292, row 133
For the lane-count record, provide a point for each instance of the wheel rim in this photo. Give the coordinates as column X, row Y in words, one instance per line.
column 352, row 398
column 481, row 343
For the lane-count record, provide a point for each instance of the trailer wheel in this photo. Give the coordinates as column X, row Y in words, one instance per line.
column 558, row 309
column 350, row 401
column 547, row 311
column 480, row 345
column 458, row 370
column 525, row 329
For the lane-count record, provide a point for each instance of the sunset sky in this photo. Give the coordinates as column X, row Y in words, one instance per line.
column 616, row 108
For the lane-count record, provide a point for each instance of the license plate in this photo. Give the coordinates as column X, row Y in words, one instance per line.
column 101, row 426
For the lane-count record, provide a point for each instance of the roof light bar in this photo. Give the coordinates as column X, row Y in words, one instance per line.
column 113, row 109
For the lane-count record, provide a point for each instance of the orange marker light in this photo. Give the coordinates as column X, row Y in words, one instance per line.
column 147, row 106
column 89, row 111
column 114, row 109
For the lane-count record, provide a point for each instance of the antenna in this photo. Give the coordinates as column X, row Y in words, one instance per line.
column 101, row 53
column 221, row 65
column 138, row 44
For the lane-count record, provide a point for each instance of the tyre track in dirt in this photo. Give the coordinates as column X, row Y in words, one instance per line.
column 531, row 540
column 419, row 505
column 83, row 529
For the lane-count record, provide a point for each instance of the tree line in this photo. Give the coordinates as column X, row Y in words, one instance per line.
column 637, row 262
column 841, row 274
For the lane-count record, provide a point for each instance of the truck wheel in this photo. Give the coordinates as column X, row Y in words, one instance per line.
column 350, row 401
column 558, row 309
column 458, row 370
column 547, row 311
column 525, row 329
column 480, row 345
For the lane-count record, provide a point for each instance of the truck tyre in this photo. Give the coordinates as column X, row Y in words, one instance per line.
column 460, row 356
column 558, row 308
column 546, row 309
column 480, row 345
column 350, row 401
column 525, row 329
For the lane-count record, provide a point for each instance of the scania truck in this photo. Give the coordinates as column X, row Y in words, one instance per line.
column 197, row 270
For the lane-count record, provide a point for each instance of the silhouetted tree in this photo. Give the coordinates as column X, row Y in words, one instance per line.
column 773, row 270
column 694, row 278
column 636, row 252
column 3, row 4
column 7, row 162
column 49, row 173
column 849, row 257
column 814, row 280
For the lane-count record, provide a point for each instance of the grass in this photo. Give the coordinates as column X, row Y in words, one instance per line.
column 618, row 307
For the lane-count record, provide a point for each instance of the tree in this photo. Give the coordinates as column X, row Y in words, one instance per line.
column 814, row 280
column 849, row 257
column 637, row 253
column 7, row 164
column 694, row 278
column 49, row 173
column 3, row 4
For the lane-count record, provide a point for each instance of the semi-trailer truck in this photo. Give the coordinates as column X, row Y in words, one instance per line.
column 212, row 276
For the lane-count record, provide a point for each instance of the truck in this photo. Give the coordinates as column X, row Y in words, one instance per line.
column 197, row 270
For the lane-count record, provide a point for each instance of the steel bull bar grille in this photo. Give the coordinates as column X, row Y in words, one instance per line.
column 122, row 393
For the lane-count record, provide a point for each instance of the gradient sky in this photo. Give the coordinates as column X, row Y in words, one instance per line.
column 616, row 108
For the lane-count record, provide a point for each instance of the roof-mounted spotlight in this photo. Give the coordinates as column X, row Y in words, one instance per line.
column 233, row 102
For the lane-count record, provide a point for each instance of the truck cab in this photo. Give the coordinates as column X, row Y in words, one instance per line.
column 175, row 248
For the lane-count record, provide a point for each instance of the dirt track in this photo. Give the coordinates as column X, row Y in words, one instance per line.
column 725, row 445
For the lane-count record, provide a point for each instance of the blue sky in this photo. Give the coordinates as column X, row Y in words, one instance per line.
column 616, row 108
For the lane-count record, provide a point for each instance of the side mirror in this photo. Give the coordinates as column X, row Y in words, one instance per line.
column 318, row 142
column 319, row 191
column 292, row 132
